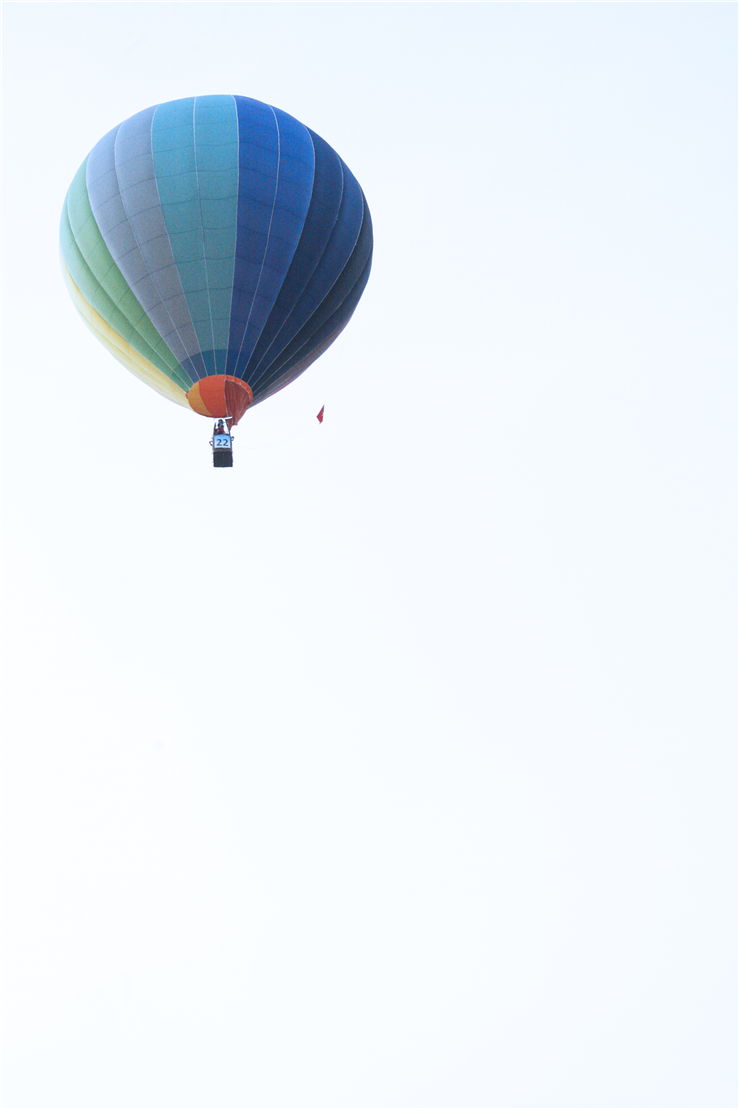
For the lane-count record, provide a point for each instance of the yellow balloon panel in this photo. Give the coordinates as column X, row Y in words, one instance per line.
column 123, row 351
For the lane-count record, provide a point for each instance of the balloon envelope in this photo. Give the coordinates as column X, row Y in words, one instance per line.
column 217, row 247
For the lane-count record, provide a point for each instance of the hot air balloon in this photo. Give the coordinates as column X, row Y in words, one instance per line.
column 217, row 247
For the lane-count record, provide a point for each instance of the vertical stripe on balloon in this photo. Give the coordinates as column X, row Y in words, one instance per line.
column 124, row 199
column 195, row 150
column 276, row 182
column 96, row 274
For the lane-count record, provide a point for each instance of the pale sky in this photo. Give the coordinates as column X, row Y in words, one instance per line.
column 432, row 802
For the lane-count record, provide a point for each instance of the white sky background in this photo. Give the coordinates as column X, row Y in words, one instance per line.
column 394, row 767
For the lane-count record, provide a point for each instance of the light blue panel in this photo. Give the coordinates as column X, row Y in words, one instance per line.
column 195, row 145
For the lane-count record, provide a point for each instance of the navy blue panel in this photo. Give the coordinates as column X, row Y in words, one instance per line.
column 338, row 305
column 322, row 216
column 321, row 272
column 258, row 163
column 276, row 167
column 318, row 343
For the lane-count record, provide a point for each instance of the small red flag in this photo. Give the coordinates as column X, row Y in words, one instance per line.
column 320, row 415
